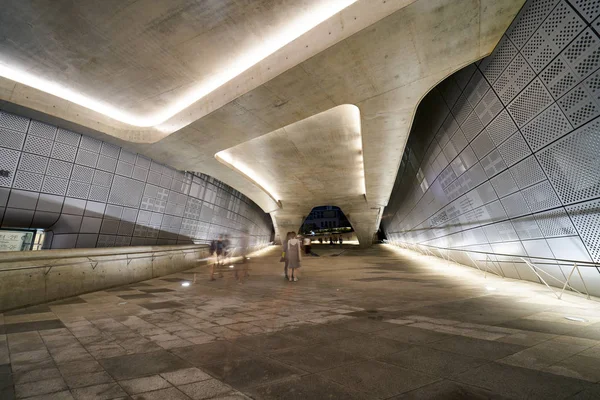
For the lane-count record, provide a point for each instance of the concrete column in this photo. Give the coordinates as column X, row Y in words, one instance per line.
column 364, row 223
column 285, row 223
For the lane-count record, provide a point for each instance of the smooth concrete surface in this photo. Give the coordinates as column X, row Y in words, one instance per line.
column 299, row 165
column 33, row 277
column 386, row 57
column 379, row 323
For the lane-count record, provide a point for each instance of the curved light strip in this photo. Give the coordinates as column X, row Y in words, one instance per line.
column 296, row 28
column 225, row 158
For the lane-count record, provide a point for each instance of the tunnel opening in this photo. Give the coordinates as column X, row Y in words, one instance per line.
column 328, row 223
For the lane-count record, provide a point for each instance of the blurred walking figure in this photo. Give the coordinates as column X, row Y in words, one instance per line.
column 244, row 243
column 341, row 240
column 294, row 255
column 306, row 242
column 216, row 249
column 331, row 240
column 226, row 249
column 321, row 240
column 284, row 255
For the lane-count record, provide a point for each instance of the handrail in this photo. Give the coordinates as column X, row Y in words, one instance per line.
column 530, row 264
column 34, row 255
column 578, row 262
column 95, row 259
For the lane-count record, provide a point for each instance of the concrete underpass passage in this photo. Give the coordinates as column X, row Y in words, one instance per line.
column 373, row 323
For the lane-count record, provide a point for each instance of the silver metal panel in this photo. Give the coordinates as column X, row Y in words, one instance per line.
column 515, row 205
column 514, row 78
column 38, row 145
column 110, row 150
column 59, row 169
column 68, row 137
column 541, row 197
column 586, row 217
column 590, row 9
column 90, row 144
column 528, row 20
column 572, row 164
column 548, row 126
column 33, row 163
column 501, row 128
column 64, row 152
column 514, row 149
column 527, row 172
column 28, row 181
column 530, row 102
column 11, row 139
column 13, row 122
column 40, row 129
column 493, row 66
column 126, row 192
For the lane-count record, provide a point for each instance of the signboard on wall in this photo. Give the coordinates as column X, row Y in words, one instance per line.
column 15, row 240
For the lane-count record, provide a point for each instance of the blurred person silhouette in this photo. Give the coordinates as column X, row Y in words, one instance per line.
column 284, row 255
column 227, row 250
column 306, row 242
column 244, row 245
column 294, row 256
column 216, row 247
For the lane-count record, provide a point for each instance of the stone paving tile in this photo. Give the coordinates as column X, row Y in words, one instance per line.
column 162, row 305
column 432, row 361
column 33, row 326
column 302, row 388
column 40, row 387
column 364, row 325
column 577, row 366
column 36, row 375
column 82, row 380
column 103, row 391
column 145, row 384
column 444, row 390
column 205, row 389
column 186, row 375
column 137, row 365
column 379, row 380
column 370, row 346
column 314, row 359
column 210, row 353
column 489, row 350
column 409, row 334
column 324, row 334
column 522, row 383
column 137, row 296
column 163, row 394
column 250, row 371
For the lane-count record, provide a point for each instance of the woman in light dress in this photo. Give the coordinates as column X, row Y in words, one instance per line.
column 294, row 256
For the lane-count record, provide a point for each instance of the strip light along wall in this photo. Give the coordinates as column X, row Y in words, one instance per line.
column 312, row 17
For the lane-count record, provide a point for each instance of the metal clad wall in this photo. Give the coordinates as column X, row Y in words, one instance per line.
column 88, row 193
column 504, row 156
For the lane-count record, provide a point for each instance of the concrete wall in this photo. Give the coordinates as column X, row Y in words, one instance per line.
column 503, row 156
column 88, row 193
column 34, row 277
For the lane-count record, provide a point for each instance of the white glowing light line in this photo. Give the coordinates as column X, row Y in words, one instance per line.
column 310, row 19
column 249, row 173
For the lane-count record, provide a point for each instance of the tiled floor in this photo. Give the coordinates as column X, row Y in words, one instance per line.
column 368, row 324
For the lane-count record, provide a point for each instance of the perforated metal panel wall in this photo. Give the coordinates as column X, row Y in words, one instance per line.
column 528, row 116
column 88, row 193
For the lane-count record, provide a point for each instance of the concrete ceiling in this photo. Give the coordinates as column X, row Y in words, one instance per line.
column 381, row 56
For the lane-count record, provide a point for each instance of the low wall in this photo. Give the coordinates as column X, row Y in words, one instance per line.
column 34, row 277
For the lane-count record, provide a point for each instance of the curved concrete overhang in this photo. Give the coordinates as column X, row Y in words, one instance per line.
column 381, row 57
